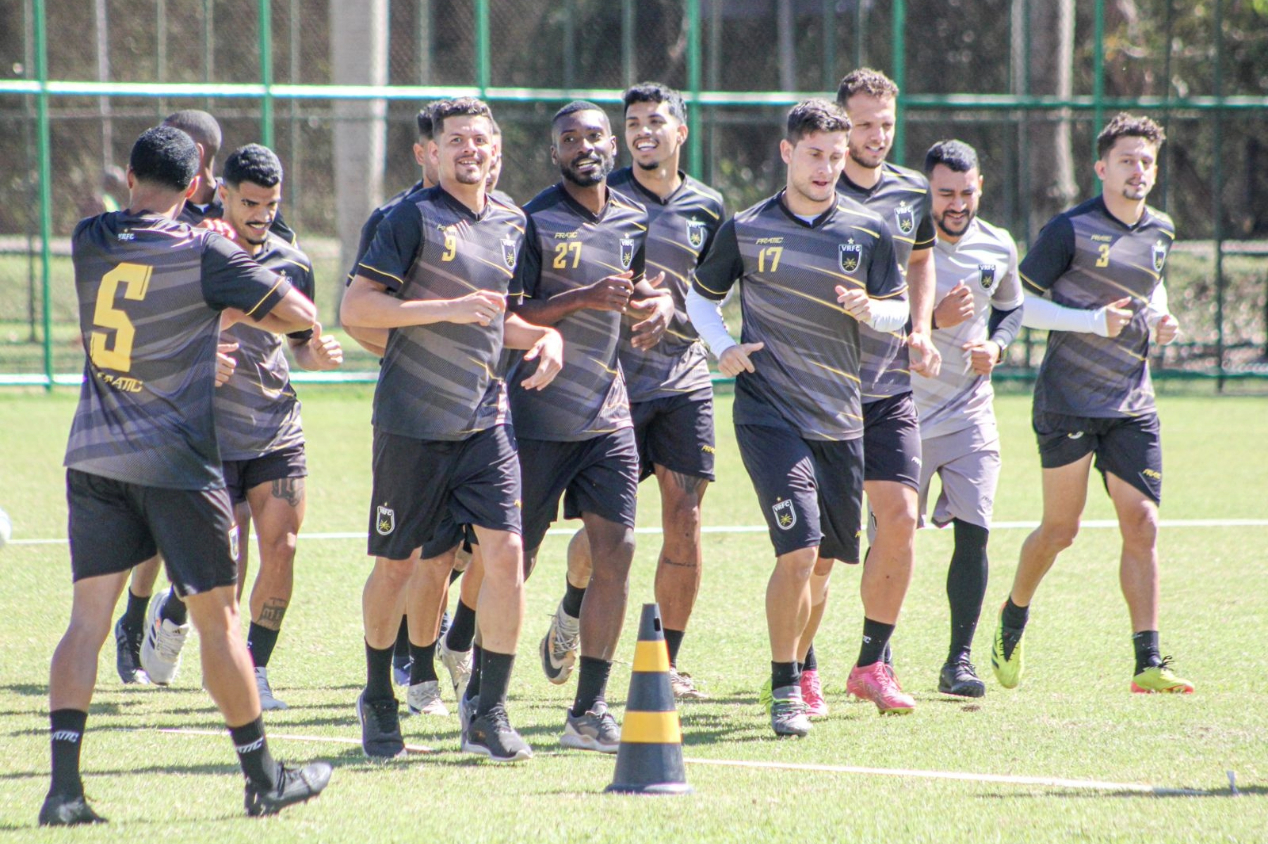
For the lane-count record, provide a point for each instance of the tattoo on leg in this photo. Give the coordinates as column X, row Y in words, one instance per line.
column 690, row 484
column 678, row 565
column 273, row 610
column 290, row 490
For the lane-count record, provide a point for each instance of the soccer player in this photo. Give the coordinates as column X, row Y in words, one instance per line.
column 813, row 266
column 576, row 438
column 1094, row 397
column 438, row 274
column 670, row 390
column 143, row 468
column 978, row 314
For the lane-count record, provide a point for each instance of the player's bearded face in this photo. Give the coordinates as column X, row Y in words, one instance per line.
column 584, row 148
column 956, row 197
column 465, row 149
column 1130, row 168
column 250, row 209
column 652, row 134
column 872, row 134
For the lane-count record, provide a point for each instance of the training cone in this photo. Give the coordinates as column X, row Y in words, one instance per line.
column 649, row 760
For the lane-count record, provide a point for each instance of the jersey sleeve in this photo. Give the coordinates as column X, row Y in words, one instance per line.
column 305, row 283
column 1050, row 256
column 1008, row 293
column 721, row 267
column 926, row 231
column 232, row 279
column 396, row 244
column 363, row 245
column 638, row 266
column 528, row 269
column 884, row 277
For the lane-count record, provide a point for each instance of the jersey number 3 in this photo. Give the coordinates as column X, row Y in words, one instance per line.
column 1102, row 255
column 135, row 279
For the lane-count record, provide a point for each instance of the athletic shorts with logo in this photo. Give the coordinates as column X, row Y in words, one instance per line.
column 1128, row 446
column 675, row 432
column 114, row 525
column 810, row 491
column 891, row 441
column 598, row 475
column 967, row 465
column 422, row 485
column 242, row 476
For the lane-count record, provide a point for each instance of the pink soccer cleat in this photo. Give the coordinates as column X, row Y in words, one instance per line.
column 878, row 684
column 812, row 694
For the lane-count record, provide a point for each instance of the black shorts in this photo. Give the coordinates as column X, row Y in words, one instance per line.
column 598, row 476
column 422, row 485
column 676, row 432
column 891, row 441
column 242, row 476
column 1128, row 446
column 810, row 491
column 114, row 525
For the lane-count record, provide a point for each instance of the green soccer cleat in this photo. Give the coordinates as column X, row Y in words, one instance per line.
column 1160, row 679
column 1007, row 655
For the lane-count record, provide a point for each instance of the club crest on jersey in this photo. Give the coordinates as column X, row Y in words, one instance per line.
column 785, row 514
column 384, row 520
column 986, row 275
column 627, row 252
column 695, row 233
column 508, row 252
column 905, row 216
column 850, row 255
column 1160, row 255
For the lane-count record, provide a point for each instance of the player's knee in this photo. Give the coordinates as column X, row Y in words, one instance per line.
column 800, row 564
column 1139, row 527
column 396, row 573
column 895, row 513
column 1061, row 534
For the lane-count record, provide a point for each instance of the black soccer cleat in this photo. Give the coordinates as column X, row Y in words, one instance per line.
column 67, row 810
column 493, row 736
column 293, row 786
column 960, row 678
column 127, row 658
column 380, row 728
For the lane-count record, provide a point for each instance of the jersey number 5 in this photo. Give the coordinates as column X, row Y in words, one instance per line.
column 136, row 281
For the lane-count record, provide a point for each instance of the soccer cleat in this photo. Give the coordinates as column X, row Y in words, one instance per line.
column 458, row 664
column 764, row 696
column 127, row 660
column 559, row 646
column 267, row 701
column 424, row 699
column 1008, row 655
column 683, row 686
column 493, row 736
column 380, row 728
column 878, row 684
column 401, row 667
column 812, row 694
column 466, row 708
column 1160, row 679
column 788, row 712
column 960, row 678
column 67, row 810
column 594, row 730
column 293, row 786
column 161, row 648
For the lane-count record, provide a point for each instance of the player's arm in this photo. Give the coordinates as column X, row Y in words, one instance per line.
column 651, row 305
column 710, row 283
column 1047, row 260
column 1159, row 317
column 233, row 283
column 1004, row 321
column 544, row 344
column 317, row 352
column 881, row 303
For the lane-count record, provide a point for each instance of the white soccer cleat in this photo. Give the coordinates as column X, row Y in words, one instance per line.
column 458, row 664
column 161, row 648
column 424, row 699
column 267, row 701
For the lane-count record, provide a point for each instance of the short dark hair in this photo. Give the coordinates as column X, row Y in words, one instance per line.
column 200, row 126
column 252, row 163
column 574, row 107
column 955, row 155
column 656, row 92
column 815, row 115
column 457, row 107
column 1124, row 125
column 426, row 126
column 164, row 157
column 867, row 81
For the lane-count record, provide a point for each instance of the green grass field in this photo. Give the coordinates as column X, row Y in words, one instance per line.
column 1071, row 718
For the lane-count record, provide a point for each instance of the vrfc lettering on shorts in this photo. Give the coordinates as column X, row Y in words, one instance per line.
column 627, row 252
column 1160, row 255
column 695, row 233
column 850, row 255
column 905, row 217
column 384, row 520
column 785, row 514
column 986, row 275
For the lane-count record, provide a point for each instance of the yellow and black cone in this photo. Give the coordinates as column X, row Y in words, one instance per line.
column 649, row 760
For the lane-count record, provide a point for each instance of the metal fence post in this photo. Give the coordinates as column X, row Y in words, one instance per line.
column 1098, row 74
column 266, row 72
column 900, row 78
column 482, row 47
column 46, row 186
column 1217, row 195
column 694, row 125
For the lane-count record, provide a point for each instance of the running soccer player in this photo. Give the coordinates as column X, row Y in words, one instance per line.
column 813, row 265
column 576, row 438
column 1094, row 396
column 670, row 390
column 143, row 468
column 978, row 314
column 438, row 274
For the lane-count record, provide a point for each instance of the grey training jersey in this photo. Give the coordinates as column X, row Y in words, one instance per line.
column 807, row 375
column 681, row 231
column 443, row 381
column 574, row 248
column 257, row 412
column 902, row 199
column 985, row 260
column 1087, row 258
column 150, row 294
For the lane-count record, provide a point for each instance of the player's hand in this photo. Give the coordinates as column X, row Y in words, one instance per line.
column 927, row 360
column 1117, row 315
column 327, row 354
column 856, row 303
column 1167, row 330
column 955, row 307
column 225, row 362
column 659, row 311
column 220, row 227
column 480, row 307
column 736, row 359
column 983, row 355
column 608, row 294
column 549, row 354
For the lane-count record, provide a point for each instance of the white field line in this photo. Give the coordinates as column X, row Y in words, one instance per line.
column 412, row 748
column 1094, row 524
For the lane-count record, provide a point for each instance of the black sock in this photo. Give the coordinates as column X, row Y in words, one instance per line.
column 462, row 629
column 1013, row 616
column 378, row 673
column 592, row 684
column 134, row 615
column 174, row 609
column 66, row 735
column 422, row 666
column 673, row 640
column 966, row 586
column 875, row 638
column 784, row 674
column 495, row 678
column 253, row 753
column 810, row 663
column 573, row 597
column 260, row 642
column 1146, row 644
column 473, row 685
column 400, row 650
